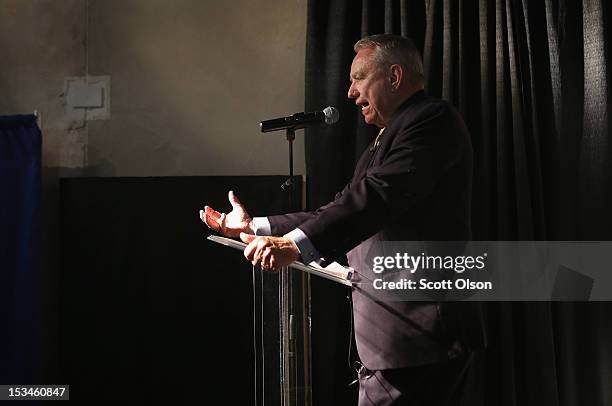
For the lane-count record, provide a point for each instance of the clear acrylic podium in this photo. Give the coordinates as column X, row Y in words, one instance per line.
column 281, row 327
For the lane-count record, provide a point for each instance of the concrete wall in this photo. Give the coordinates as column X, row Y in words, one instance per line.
column 190, row 80
column 41, row 43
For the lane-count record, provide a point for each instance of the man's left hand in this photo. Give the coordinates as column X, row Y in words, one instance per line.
column 270, row 253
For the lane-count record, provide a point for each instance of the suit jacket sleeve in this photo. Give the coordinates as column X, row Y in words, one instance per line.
column 284, row 223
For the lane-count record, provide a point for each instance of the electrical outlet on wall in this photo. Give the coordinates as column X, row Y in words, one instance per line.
column 87, row 98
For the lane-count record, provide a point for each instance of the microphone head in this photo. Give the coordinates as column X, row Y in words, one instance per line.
column 332, row 115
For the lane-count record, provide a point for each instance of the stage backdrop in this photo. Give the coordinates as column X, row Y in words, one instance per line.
column 532, row 79
column 150, row 311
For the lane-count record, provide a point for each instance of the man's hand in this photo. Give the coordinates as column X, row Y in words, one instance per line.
column 232, row 224
column 271, row 253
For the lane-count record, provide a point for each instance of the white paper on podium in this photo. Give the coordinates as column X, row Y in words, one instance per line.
column 334, row 271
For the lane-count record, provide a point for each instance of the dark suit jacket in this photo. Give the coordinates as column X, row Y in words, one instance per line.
column 416, row 186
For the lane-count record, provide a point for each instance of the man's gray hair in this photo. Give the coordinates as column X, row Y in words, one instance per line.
column 394, row 49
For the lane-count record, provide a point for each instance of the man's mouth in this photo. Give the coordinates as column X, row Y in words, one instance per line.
column 365, row 106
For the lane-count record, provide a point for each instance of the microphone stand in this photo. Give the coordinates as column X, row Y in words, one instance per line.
column 287, row 285
column 293, row 314
column 288, row 185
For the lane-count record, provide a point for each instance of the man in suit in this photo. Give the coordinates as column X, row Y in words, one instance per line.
column 412, row 184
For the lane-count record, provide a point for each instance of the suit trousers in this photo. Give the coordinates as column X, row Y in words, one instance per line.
column 439, row 384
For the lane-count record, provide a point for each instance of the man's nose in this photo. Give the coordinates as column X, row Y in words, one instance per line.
column 352, row 92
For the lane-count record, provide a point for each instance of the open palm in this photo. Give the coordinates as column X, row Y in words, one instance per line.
column 231, row 224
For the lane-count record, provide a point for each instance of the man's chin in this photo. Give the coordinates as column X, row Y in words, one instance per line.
column 372, row 121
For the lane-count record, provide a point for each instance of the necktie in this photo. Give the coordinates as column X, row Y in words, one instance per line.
column 377, row 140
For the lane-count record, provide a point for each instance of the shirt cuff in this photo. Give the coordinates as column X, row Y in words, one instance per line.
column 261, row 226
column 308, row 252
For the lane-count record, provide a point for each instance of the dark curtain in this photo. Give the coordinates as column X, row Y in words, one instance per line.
column 151, row 308
column 20, row 174
column 531, row 80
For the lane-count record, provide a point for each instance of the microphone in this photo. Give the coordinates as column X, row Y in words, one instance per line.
column 329, row 115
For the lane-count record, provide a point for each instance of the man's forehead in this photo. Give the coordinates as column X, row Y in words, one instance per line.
column 362, row 62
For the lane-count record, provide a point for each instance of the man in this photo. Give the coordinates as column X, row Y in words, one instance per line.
column 413, row 184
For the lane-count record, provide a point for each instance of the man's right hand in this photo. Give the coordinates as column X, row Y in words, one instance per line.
column 232, row 224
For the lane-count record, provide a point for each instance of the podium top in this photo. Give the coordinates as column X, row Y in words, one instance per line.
column 334, row 271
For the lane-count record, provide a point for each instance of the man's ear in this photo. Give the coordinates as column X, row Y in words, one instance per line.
column 396, row 76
